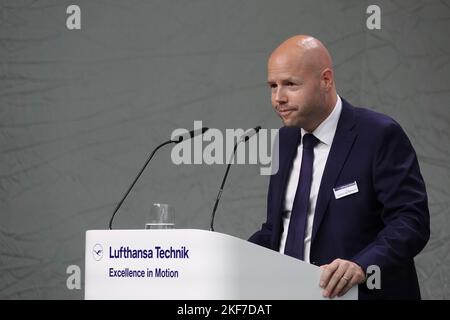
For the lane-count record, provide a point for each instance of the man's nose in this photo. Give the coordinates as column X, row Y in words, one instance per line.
column 280, row 96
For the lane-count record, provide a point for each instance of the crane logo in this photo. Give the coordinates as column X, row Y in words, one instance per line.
column 97, row 252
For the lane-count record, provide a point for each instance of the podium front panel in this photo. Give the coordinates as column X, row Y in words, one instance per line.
column 186, row 264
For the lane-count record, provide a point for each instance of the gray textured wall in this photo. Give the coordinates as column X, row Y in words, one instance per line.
column 80, row 110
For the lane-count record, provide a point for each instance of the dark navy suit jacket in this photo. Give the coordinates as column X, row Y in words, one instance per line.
column 386, row 223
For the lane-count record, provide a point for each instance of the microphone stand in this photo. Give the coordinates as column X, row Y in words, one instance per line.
column 219, row 195
column 244, row 138
column 189, row 135
column 136, row 179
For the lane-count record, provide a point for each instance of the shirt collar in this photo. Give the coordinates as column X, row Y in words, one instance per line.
column 326, row 130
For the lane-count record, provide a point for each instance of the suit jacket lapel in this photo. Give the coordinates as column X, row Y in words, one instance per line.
column 340, row 148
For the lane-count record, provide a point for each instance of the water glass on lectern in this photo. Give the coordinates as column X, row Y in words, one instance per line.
column 161, row 216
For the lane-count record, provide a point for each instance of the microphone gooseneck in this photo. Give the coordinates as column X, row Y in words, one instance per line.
column 178, row 139
column 136, row 179
column 219, row 195
column 244, row 138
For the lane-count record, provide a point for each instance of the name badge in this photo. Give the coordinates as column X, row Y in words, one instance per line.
column 345, row 190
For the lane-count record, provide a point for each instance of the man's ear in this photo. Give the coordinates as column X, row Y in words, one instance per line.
column 327, row 79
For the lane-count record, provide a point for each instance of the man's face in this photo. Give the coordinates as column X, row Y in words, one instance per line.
column 295, row 91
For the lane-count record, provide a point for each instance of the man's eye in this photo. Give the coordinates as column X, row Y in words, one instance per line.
column 290, row 84
column 272, row 86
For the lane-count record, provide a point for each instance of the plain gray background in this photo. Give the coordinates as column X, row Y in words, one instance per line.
column 81, row 110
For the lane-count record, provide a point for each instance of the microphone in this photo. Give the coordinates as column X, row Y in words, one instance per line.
column 244, row 138
column 177, row 140
column 189, row 135
column 249, row 133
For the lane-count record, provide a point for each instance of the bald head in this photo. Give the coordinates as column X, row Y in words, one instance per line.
column 305, row 52
column 300, row 75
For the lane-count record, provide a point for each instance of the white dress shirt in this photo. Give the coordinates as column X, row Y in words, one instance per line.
column 325, row 133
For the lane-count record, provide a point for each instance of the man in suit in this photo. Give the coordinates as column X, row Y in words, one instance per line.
column 348, row 193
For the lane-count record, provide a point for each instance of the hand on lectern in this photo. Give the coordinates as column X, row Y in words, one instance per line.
column 340, row 276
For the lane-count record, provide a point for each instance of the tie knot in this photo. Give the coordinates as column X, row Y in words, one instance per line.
column 309, row 141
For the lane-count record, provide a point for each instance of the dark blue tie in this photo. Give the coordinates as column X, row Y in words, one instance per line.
column 297, row 225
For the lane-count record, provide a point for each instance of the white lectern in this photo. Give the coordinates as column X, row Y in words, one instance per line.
column 185, row 264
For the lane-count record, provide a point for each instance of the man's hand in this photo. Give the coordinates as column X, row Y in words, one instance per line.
column 340, row 276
